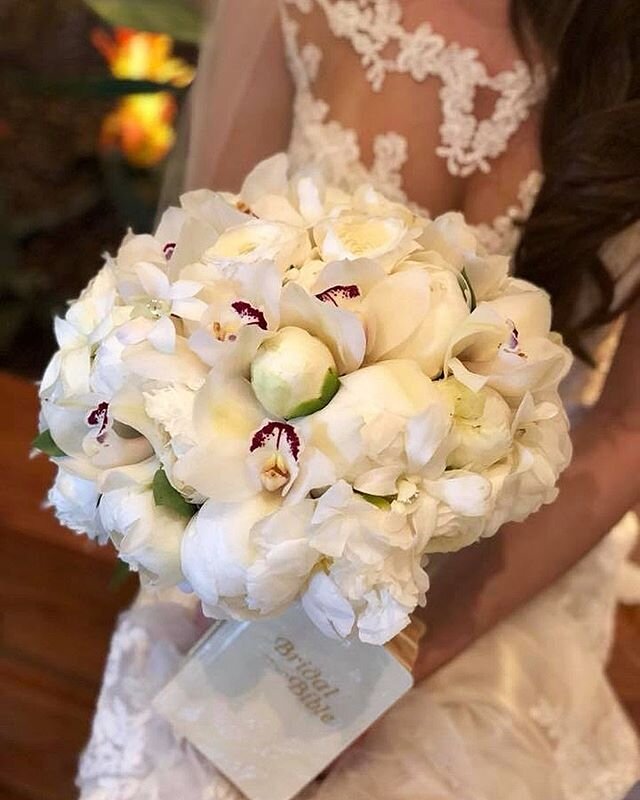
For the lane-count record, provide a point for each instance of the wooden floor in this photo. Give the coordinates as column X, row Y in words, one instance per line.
column 58, row 607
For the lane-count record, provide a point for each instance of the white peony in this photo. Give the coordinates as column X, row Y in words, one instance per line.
column 148, row 537
column 481, row 429
column 294, row 374
column 248, row 559
column 413, row 314
column 75, row 502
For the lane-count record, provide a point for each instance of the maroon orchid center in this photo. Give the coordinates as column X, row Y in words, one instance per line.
column 99, row 417
column 281, row 445
column 249, row 314
column 336, row 293
column 512, row 345
column 168, row 249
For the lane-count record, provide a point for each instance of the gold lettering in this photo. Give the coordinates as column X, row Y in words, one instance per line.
column 306, row 681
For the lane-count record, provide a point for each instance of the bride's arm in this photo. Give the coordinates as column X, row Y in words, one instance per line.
column 486, row 582
column 242, row 100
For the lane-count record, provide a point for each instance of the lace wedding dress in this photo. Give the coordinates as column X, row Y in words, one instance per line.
column 526, row 712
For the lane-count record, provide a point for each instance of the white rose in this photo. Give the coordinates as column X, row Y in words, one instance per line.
column 352, row 235
column 259, row 240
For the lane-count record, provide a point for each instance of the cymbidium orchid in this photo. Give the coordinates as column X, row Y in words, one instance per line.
column 489, row 349
column 241, row 454
column 298, row 393
column 243, row 305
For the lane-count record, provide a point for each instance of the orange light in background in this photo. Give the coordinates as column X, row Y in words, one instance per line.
column 141, row 125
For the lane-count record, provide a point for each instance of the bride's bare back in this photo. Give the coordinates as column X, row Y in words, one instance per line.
column 429, row 100
column 407, row 68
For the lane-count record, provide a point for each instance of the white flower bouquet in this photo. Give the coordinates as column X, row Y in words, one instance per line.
column 295, row 393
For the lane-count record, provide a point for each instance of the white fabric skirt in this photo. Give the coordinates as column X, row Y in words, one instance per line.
column 526, row 713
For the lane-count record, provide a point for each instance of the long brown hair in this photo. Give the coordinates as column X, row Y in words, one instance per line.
column 590, row 143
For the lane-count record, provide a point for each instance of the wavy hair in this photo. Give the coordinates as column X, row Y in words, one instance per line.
column 590, row 144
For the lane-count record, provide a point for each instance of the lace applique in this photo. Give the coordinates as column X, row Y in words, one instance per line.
column 502, row 235
column 335, row 149
column 133, row 754
column 600, row 768
column 374, row 30
column 317, row 139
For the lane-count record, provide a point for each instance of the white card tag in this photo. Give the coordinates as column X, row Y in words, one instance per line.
column 272, row 703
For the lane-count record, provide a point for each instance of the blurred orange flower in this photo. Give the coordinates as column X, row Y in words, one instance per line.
column 141, row 125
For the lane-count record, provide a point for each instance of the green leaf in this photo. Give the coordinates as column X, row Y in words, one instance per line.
column 377, row 500
column 467, row 289
column 45, row 444
column 178, row 18
column 330, row 386
column 165, row 495
column 98, row 86
column 120, row 574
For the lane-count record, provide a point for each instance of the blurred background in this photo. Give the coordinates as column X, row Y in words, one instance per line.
column 90, row 99
column 90, row 94
column 84, row 138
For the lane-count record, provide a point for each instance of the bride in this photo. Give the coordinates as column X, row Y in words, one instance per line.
column 525, row 116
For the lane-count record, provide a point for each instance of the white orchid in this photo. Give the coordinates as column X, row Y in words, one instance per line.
column 505, row 344
column 271, row 193
column 240, row 454
column 243, row 305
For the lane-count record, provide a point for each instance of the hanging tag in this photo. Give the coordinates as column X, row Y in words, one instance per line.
column 273, row 703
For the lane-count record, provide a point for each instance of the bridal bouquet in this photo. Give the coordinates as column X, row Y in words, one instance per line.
column 295, row 393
